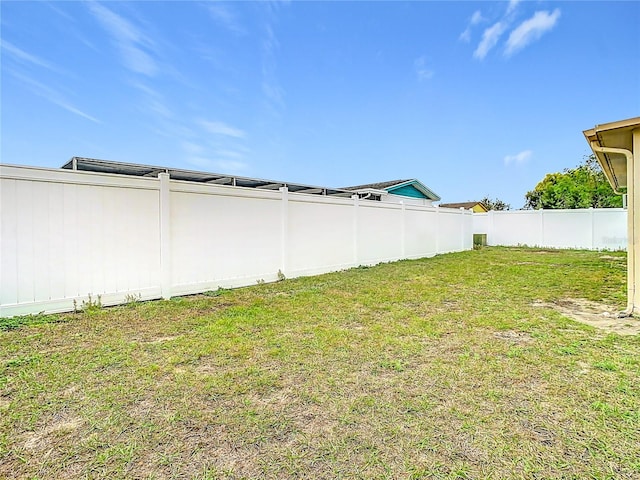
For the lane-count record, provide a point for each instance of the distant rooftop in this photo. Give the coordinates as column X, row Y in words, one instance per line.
column 407, row 188
column 135, row 169
column 465, row 205
column 378, row 186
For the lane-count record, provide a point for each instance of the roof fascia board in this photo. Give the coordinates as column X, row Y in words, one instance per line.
column 371, row 190
column 596, row 136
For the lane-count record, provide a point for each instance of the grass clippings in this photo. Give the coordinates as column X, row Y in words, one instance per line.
column 458, row 366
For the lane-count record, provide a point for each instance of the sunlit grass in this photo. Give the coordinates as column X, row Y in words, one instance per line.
column 433, row 368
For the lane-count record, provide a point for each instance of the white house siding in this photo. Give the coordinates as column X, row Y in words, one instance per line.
column 390, row 197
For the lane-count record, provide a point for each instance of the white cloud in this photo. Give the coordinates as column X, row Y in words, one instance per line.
column 420, row 65
column 531, row 30
column 200, row 162
column 512, row 6
column 59, row 11
column 225, row 166
column 219, row 128
column 224, row 16
column 271, row 88
column 518, row 159
column 153, row 102
column 230, row 154
column 231, row 165
column 475, row 19
column 25, row 57
column 489, row 40
column 192, row 148
column 130, row 40
column 273, row 92
column 52, row 96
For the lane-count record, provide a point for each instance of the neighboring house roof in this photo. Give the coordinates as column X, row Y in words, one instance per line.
column 465, row 205
column 406, row 188
column 377, row 186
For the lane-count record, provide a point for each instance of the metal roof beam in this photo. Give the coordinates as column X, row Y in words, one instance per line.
column 311, row 190
column 154, row 172
column 271, row 186
column 221, row 181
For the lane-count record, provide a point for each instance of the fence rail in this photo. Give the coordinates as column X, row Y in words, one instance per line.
column 66, row 234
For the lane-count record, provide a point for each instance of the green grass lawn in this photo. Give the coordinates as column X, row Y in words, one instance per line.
column 447, row 367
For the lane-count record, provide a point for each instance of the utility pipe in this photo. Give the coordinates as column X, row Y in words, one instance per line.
column 631, row 227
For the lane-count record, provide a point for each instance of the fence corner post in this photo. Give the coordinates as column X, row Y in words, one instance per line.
column 165, row 236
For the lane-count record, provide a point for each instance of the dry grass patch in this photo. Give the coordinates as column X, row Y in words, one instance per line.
column 434, row 368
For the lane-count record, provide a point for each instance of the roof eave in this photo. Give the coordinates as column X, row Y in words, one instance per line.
column 613, row 135
column 603, row 159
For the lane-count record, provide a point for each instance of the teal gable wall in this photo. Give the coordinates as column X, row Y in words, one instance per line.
column 407, row 191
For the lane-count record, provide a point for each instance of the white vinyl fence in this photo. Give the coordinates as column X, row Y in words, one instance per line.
column 594, row 229
column 65, row 235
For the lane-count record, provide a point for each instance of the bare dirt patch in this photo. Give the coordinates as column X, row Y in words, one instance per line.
column 513, row 336
column 598, row 315
column 158, row 339
column 611, row 257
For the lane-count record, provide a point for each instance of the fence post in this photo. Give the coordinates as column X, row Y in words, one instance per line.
column 437, row 229
column 403, row 233
column 165, row 235
column 592, row 218
column 356, row 208
column 490, row 227
column 541, row 243
column 462, row 221
column 284, row 242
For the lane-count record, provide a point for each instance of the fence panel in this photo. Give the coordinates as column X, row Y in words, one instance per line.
column 604, row 228
column 610, row 229
column 420, row 232
column 65, row 235
column 379, row 232
column 320, row 234
column 222, row 236
column 451, row 229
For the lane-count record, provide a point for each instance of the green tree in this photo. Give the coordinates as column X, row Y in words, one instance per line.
column 495, row 204
column 581, row 187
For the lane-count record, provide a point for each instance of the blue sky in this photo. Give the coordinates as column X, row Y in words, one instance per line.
column 471, row 98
